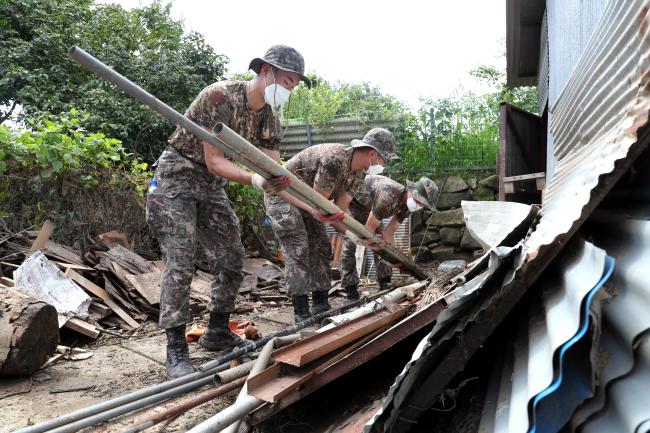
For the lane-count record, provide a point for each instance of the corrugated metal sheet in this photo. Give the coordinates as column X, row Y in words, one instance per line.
column 544, row 70
column 621, row 401
column 423, row 378
column 550, row 371
column 402, row 243
column 597, row 116
column 341, row 131
column 571, row 24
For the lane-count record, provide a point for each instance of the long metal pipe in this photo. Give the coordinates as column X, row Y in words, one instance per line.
column 301, row 190
column 130, row 407
column 207, row 369
column 242, row 406
column 183, row 407
column 238, row 148
column 195, row 379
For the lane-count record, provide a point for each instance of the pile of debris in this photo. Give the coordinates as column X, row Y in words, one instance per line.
column 109, row 287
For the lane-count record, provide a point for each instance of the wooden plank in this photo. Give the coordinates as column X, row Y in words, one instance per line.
column 132, row 262
column 74, row 266
column 147, row 285
column 521, row 177
column 102, row 294
column 62, row 253
column 82, row 327
column 7, row 281
column 43, row 236
column 101, row 307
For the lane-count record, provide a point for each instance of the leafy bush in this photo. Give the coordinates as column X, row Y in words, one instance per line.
column 59, row 145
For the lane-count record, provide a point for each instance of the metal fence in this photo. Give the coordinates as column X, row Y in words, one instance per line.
column 300, row 135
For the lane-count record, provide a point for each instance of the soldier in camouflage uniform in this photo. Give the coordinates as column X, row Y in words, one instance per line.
column 189, row 208
column 335, row 171
column 380, row 198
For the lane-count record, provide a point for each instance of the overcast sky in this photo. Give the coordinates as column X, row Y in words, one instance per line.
column 409, row 48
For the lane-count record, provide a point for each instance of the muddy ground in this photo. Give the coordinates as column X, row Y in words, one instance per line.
column 118, row 366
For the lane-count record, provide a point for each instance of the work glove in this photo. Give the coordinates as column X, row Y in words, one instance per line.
column 336, row 217
column 271, row 186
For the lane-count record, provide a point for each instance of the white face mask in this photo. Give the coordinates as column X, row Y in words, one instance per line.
column 274, row 94
column 375, row 168
column 412, row 204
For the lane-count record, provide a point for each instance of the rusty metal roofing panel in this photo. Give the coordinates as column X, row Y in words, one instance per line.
column 597, row 116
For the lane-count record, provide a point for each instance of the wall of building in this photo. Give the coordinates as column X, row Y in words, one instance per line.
column 570, row 26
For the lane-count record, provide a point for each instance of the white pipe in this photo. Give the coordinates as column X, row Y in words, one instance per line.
column 394, row 296
column 231, row 416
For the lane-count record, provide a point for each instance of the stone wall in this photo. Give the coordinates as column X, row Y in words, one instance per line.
column 441, row 235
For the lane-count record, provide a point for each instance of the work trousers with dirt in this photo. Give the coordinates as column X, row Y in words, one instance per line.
column 349, row 275
column 305, row 246
column 189, row 211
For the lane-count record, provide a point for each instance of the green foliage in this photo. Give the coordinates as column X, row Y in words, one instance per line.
column 325, row 102
column 144, row 44
column 460, row 131
column 59, row 146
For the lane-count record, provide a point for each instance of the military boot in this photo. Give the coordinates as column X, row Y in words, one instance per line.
column 300, row 308
column 178, row 354
column 352, row 292
column 319, row 302
column 217, row 336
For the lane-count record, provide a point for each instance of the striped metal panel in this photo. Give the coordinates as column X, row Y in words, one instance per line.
column 543, row 74
column 403, row 243
column 597, row 117
column 341, row 131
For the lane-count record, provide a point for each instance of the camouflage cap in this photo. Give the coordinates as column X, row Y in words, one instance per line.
column 282, row 57
column 380, row 139
column 424, row 191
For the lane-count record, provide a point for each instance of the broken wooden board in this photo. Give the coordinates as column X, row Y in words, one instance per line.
column 62, row 253
column 103, row 295
column 43, row 236
column 130, row 261
column 113, row 238
column 82, row 327
column 248, row 284
column 262, row 268
column 147, row 285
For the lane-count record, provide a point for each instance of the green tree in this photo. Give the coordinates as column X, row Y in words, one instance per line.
column 144, row 44
column 326, row 101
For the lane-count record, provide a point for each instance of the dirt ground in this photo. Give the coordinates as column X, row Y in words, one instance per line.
column 117, row 366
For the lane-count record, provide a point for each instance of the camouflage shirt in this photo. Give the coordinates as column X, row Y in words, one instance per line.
column 226, row 102
column 328, row 167
column 383, row 196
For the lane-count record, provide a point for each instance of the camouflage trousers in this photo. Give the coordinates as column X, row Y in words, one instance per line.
column 305, row 245
column 349, row 275
column 190, row 213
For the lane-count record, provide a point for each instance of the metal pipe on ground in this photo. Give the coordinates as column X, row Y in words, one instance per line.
column 185, row 406
column 394, row 296
column 120, row 401
column 241, row 150
column 207, row 369
column 242, row 406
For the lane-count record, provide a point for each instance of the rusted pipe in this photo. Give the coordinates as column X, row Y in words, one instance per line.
column 178, row 409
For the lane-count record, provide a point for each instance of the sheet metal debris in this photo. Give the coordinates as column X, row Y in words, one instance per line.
column 597, row 117
column 50, row 285
column 550, row 370
column 489, row 222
